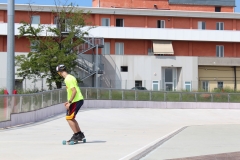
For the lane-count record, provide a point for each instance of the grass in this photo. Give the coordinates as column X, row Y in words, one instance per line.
column 172, row 97
column 157, row 96
column 103, row 94
column 234, row 98
column 188, row 97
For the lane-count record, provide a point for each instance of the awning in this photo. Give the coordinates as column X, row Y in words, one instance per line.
column 162, row 47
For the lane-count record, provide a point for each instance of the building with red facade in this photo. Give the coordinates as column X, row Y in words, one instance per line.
column 160, row 45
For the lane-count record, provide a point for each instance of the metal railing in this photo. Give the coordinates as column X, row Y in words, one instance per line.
column 21, row 103
column 90, row 43
column 29, row 102
column 165, row 96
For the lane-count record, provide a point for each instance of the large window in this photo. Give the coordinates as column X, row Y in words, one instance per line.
column 220, row 85
column 33, row 45
column 217, row 9
column 119, row 48
column 205, row 86
column 106, row 49
column 201, row 25
column 35, row 20
column 220, row 26
column 220, row 51
column 155, row 85
column 161, row 24
column 188, row 86
column 119, row 22
column 63, row 23
column 138, row 83
column 105, row 22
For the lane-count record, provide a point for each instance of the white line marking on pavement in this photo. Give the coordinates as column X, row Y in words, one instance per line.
column 152, row 143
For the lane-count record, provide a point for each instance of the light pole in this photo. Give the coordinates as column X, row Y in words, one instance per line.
column 10, row 48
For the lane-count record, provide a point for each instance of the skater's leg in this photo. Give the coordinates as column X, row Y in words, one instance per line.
column 77, row 126
column 70, row 117
column 73, row 125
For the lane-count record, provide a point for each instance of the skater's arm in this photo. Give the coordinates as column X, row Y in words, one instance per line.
column 74, row 91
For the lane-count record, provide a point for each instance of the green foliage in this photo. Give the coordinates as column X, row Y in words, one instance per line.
column 58, row 47
column 28, row 91
column 224, row 90
column 1, row 91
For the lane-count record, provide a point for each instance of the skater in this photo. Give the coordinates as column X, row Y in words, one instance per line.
column 74, row 103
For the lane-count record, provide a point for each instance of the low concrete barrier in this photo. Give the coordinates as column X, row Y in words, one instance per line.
column 33, row 116
column 160, row 105
column 42, row 114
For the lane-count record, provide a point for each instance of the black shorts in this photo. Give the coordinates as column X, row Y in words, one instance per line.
column 73, row 109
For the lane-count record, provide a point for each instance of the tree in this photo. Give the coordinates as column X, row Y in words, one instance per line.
column 51, row 46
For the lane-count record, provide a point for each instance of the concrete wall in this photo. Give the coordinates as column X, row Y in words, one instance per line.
column 160, row 105
column 149, row 68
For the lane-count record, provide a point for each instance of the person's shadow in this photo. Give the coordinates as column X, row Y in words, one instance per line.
column 96, row 141
column 91, row 142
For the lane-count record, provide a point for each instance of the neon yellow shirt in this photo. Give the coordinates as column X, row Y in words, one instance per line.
column 71, row 82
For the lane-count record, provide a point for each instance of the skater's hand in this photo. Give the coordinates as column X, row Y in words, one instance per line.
column 67, row 105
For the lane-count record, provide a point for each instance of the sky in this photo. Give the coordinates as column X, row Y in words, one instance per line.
column 87, row 3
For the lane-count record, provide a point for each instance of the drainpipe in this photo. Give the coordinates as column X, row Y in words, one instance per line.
column 235, row 78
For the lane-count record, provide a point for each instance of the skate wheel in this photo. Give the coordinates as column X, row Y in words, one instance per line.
column 84, row 140
column 64, row 142
column 71, row 143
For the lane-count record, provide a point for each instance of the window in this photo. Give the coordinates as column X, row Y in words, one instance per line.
column 188, row 86
column 19, row 83
column 201, row 25
column 155, row 85
column 119, row 22
column 220, row 26
column 168, row 75
column 55, row 21
column 138, row 83
column 161, row 24
column 66, row 23
column 220, row 85
column 105, row 22
column 119, row 48
column 106, row 49
column 124, row 68
column 33, row 46
column 35, row 20
column 220, row 51
column 217, row 9
column 205, row 86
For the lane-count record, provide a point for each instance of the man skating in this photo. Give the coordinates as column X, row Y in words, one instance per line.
column 74, row 103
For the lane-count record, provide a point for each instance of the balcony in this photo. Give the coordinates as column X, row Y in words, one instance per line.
column 153, row 33
column 166, row 34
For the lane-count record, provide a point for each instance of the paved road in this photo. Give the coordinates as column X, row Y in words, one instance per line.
column 111, row 133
